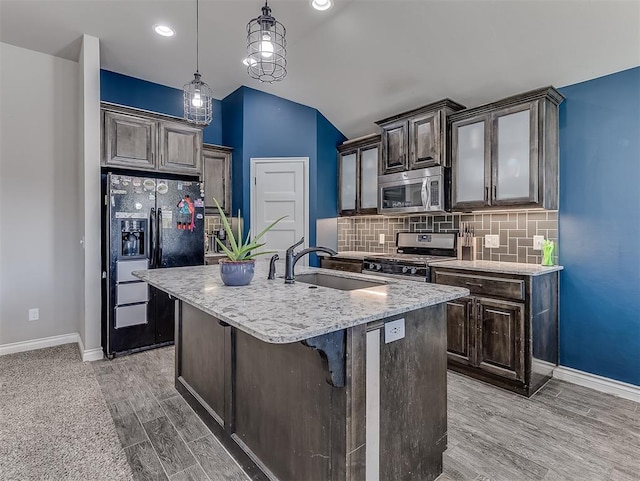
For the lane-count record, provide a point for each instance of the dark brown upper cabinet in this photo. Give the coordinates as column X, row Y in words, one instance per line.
column 416, row 139
column 358, row 162
column 141, row 140
column 129, row 141
column 505, row 154
column 216, row 176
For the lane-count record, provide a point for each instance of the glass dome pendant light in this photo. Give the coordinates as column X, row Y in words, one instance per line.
column 197, row 94
column 266, row 48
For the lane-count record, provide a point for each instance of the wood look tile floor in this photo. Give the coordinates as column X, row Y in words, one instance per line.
column 564, row 432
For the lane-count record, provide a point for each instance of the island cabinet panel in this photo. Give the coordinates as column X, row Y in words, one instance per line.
column 506, row 333
column 413, row 398
column 283, row 408
column 285, row 414
column 202, row 365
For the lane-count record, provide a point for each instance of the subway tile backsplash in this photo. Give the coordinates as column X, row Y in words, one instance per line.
column 515, row 228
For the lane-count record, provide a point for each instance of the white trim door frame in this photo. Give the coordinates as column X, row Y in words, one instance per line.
column 254, row 162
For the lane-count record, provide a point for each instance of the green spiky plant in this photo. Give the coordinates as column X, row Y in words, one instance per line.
column 238, row 250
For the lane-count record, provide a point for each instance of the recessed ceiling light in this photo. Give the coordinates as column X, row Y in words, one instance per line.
column 322, row 4
column 164, row 30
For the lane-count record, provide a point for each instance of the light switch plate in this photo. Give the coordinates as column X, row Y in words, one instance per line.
column 34, row 314
column 491, row 241
column 393, row 330
column 537, row 242
column 381, row 239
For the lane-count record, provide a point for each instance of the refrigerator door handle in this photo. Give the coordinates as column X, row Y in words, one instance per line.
column 152, row 241
column 159, row 234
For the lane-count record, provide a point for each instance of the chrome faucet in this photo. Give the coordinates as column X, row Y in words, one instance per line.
column 291, row 259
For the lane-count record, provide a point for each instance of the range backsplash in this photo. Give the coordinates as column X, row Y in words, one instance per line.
column 515, row 228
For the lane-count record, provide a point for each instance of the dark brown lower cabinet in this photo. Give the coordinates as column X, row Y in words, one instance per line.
column 341, row 264
column 506, row 332
column 461, row 330
column 500, row 328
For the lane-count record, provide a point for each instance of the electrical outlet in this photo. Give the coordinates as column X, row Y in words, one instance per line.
column 537, row 242
column 381, row 239
column 34, row 314
column 393, row 331
column 491, row 241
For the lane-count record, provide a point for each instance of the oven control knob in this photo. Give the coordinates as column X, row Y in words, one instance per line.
column 378, row 267
column 414, row 270
column 405, row 269
column 371, row 266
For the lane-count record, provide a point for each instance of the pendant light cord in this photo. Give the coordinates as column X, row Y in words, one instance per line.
column 197, row 36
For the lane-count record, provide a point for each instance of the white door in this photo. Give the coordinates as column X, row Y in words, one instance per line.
column 280, row 187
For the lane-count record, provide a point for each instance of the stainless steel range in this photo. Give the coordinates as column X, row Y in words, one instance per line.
column 416, row 252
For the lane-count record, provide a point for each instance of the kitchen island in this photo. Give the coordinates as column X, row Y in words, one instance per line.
column 309, row 383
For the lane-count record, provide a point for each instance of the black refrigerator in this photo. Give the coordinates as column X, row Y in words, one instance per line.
column 148, row 223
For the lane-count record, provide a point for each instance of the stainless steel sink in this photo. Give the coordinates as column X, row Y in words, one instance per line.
column 336, row 282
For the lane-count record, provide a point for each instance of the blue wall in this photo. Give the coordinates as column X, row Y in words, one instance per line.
column 133, row 92
column 258, row 124
column 599, row 223
column 327, row 167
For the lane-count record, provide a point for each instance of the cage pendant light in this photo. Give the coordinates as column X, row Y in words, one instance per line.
column 266, row 48
column 197, row 94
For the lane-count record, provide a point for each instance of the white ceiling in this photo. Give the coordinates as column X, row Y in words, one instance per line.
column 358, row 62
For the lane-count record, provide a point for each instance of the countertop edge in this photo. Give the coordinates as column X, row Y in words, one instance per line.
column 502, row 268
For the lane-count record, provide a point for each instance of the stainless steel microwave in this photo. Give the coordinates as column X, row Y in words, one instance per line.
column 421, row 190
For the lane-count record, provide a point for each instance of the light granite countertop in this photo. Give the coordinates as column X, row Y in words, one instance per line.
column 500, row 267
column 280, row 313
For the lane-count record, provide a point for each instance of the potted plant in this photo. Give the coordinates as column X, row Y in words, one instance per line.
column 238, row 268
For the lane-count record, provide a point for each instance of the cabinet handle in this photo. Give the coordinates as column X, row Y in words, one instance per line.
column 473, row 284
column 486, row 194
column 495, row 191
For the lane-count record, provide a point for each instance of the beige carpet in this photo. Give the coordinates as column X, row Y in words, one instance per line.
column 54, row 422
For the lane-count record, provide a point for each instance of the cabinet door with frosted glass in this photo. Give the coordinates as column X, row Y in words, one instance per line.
column 348, row 182
column 514, row 151
column 471, row 163
column 368, row 195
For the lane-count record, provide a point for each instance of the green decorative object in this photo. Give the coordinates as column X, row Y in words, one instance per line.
column 548, row 247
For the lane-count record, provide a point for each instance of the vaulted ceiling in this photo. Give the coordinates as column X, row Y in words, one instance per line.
column 358, row 62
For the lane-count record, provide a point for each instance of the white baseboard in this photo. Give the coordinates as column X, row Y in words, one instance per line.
column 89, row 354
column 92, row 354
column 598, row 383
column 23, row 346
column 39, row 343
